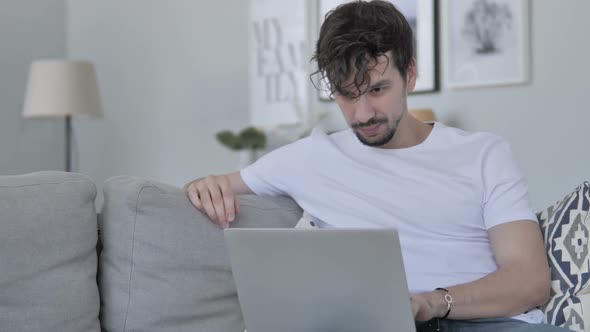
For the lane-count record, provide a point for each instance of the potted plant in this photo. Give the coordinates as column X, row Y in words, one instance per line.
column 247, row 142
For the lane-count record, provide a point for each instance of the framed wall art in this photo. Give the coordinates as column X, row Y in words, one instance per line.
column 486, row 42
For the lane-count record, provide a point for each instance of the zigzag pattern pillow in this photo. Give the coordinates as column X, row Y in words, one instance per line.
column 566, row 235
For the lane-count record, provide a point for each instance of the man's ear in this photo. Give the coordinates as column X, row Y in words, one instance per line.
column 411, row 76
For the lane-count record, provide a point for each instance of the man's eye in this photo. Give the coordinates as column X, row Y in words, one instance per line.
column 344, row 95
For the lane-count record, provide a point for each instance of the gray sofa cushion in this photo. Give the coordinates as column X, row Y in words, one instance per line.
column 164, row 266
column 47, row 253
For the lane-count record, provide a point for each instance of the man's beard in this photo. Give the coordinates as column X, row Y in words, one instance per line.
column 384, row 139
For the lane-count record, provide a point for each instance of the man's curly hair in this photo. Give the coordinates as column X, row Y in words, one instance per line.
column 352, row 37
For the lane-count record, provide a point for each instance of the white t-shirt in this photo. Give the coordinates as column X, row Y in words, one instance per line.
column 441, row 195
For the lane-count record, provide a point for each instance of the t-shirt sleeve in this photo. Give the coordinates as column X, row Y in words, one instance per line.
column 277, row 172
column 506, row 195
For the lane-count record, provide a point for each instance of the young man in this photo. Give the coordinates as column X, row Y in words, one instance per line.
column 473, row 252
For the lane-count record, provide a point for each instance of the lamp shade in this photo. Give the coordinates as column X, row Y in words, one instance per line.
column 59, row 88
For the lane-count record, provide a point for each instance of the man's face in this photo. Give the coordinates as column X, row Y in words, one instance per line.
column 376, row 115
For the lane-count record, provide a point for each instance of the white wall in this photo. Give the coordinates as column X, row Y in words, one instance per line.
column 29, row 29
column 547, row 121
column 172, row 74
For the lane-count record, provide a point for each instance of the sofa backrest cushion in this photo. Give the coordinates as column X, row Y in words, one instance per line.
column 47, row 253
column 164, row 266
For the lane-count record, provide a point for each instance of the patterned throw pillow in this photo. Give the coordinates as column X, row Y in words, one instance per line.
column 566, row 235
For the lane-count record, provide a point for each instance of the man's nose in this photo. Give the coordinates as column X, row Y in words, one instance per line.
column 363, row 111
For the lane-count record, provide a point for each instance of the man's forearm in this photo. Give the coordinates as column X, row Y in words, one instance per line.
column 508, row 292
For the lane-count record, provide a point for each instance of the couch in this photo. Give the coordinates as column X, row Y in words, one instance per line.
column 149, row 261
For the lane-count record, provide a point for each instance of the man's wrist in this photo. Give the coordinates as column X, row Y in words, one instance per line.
column 438, row 304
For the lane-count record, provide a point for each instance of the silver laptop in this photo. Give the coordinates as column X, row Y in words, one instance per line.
column 294, row 280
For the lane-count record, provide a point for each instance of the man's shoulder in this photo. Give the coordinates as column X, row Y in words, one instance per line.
column 321, row 139
column 479, row 139
column 316, row 140
column 336, row 135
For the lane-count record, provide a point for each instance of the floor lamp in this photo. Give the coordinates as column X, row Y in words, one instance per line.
column 62, row 89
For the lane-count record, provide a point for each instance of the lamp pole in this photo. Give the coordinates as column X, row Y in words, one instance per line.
column 68, row 143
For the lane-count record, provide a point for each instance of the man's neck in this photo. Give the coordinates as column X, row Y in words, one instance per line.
column 410, row 132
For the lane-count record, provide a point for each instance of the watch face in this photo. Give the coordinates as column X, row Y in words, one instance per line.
column 448, row 298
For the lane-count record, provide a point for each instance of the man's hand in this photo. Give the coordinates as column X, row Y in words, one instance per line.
column 426, row 306
column 216, row 196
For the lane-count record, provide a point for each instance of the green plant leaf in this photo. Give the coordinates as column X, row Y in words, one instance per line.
column 228, row 139
column 253, row 138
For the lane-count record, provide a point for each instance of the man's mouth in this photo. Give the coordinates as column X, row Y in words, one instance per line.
column 370, row 131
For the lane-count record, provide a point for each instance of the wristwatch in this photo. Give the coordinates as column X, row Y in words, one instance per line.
column 448, row 299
